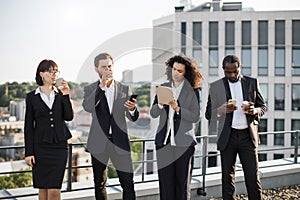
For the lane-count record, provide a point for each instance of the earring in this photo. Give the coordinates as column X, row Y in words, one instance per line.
column 42, row 78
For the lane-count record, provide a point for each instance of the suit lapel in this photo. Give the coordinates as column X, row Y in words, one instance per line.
column 227, row 88
column 245, row 87
column 183, row 93
column 103, row 98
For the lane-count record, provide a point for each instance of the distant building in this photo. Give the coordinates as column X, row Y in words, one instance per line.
column 268, row 44
column 17, row 109
column 139, row 74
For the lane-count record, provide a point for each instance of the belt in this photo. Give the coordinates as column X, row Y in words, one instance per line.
column 240, row 130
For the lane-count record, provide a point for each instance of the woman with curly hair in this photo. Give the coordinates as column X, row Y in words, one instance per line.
column 175, row 137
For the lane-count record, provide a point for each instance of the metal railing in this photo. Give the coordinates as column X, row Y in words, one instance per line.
column 204, row 155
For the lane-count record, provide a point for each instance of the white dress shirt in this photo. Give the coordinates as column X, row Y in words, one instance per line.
column 170, row 124
column 239, row 120
column 110, row 95
column 48, row 101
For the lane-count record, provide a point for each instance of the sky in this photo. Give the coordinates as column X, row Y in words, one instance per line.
column 69, row 31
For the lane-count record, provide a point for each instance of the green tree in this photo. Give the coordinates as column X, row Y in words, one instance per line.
column 18, row 180
column 144, row 95
column 111, row 172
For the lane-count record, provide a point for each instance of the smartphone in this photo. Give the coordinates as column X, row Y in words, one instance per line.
column 133, row 96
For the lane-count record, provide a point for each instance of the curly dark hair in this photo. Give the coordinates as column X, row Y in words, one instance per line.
column 192, row 73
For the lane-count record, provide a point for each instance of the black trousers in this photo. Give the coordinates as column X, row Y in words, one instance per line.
column 240, row 144
column 174, row 170
column 123, row 165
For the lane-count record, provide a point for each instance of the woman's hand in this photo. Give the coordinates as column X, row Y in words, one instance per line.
column 64, row 88
column 30, row 161
column 174, row 105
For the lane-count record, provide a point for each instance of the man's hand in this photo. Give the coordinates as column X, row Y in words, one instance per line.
column 226, row 108
column 130, row 104
column 106, row 78
column 251, row 110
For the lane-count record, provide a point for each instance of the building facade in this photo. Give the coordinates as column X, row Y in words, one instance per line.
column 268, row 43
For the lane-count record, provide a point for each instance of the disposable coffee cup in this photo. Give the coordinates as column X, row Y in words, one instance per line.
column 245, row 106
column 59, row 83
column 232, row 101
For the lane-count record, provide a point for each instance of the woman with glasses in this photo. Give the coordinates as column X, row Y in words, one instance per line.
column 46, row 133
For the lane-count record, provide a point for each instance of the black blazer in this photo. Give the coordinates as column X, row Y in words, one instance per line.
column 219, row 93
column 95, row 102
column 45, row 125
column 189, row 114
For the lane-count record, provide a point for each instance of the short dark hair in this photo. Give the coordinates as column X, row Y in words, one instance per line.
column 45, row 65
column 231, row 59
column 102, row 56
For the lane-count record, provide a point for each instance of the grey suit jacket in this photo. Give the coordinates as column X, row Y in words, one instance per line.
column 189, row 114
column 95, row 102
column 219, row 94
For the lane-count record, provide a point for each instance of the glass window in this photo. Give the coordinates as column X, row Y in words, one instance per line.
column 264, row 91
column 262, row 157
column 149, row 165
column 246, row 62
column 295, row 127
column 197, row 33
column 280, row 61
column 278, row 156
column 262, row 32
column 296, row 97
column 183, row 34
column 213, row 34
column 279, row 32
column 213, row 61
column 229, row 51
column 296, row 61
column 197, row 54
column 279, row 96
column 263, row 127
column 295, row 48
column 263, row 62
column 212, row 160
column 246, row 33
column 229, row 34
column 279, row 126
column 296, row 32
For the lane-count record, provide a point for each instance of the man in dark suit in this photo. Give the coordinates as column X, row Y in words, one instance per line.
column 108, row 101
column 234, row 108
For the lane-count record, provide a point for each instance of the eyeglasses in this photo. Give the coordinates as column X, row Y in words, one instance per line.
column 52, row 72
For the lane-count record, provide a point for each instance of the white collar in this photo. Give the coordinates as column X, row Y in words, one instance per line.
column 38, row 90
column 238, row 81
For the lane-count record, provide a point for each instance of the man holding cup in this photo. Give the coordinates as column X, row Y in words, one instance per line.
column 234, row 108
column 108, row 101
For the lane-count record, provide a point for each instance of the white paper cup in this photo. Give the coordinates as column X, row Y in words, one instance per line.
column 59, row 83
column 245, row 106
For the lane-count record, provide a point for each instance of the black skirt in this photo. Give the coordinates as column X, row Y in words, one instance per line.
column 50, row 164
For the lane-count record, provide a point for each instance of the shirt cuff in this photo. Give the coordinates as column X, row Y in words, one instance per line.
column 132, row 112
column 160, row 106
